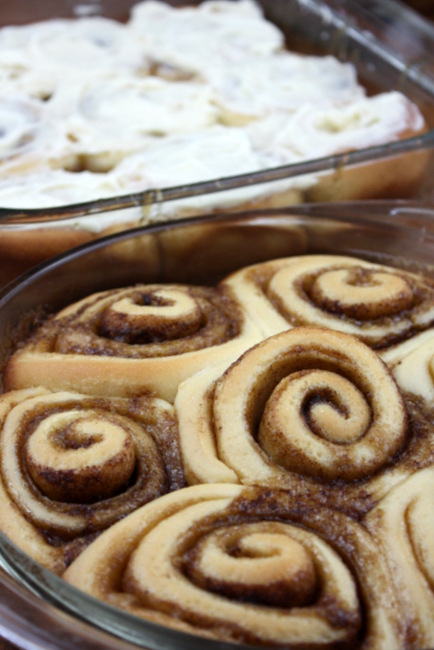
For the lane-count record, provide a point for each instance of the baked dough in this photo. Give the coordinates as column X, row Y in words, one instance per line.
column 403, row 526
column 250, row 461
column 383, row 306
column 72, row 465
column 308, row 408
column 246, row 565
column 135, row 340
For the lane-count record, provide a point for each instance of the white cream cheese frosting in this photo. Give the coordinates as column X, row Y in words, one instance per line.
column 90, row 107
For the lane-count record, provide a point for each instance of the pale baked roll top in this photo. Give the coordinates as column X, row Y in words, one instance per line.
column 380, row 305
column 308, row 407
column 414, row 373
column 134, row 340
column 246, row 565
column 72, row 465
column 403, row 525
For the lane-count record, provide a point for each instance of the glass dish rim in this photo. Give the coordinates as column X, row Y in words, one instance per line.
column 376, row 211
column 11, row 216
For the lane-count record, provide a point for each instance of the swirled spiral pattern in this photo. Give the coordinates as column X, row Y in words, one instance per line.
column 403, row 524
column 283, row 498
column 72, row 465
column 307, row 407
column 128, row 341
column 249, row 565
column 379, row 304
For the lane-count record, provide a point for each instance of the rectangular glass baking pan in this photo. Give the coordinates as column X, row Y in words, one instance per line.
column 390, row 46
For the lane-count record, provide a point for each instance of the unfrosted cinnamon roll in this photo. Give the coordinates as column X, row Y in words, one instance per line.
column 381, row 305
column 403, row 524
column 246, row 565
column 72, row 465
column 124, row 342
column 308, row 407
column 414, row 373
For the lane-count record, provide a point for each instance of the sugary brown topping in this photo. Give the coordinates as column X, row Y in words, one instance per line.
column 283, row 499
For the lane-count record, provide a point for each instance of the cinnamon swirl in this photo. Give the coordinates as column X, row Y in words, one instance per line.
column 379, row 304
column 309, row 407
column 72, row 465
column 164, row 452
column 124, row 342
column 246, row 565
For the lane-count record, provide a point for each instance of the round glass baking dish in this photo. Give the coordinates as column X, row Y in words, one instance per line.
column 40, row 610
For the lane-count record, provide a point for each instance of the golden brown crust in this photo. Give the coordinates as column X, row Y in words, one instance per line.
column 307, row 440
column 398, row 177
column 20, row 249
column 395, row 177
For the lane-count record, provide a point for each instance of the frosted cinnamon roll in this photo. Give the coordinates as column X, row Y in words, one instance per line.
column 380, row 305
column 21, row 127
column 107, row 118
column 201, row 37
column 124, row 342
column 355, row 123
column 172, row 96
column 308, row 408
column 246, row 565
column 37, row 58
column 403, row 525
column 72, row 465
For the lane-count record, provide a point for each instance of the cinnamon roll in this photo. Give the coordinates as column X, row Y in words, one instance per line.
column 379, row 304
column 414, row 373
column 21, row 128
column 308, row 408
column 246, row 565
column 124, row 342
column 403, row 525
column 72, row 465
